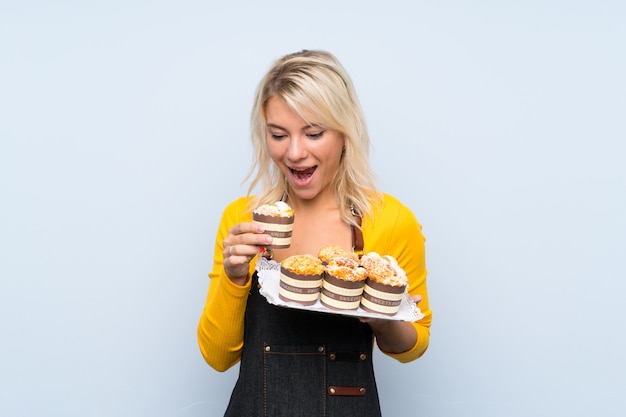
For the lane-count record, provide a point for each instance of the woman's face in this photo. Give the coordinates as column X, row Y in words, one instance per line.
column 308, row 155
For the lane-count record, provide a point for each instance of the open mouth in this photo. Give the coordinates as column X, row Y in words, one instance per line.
column 302, row 175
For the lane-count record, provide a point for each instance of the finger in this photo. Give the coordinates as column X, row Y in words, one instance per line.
column 240, row 253
column 249, row 239
column 416, row 298
column 237, row 263
column 246, row 227
column 237, row 235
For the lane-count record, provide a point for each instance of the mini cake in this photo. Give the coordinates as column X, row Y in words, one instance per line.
column 385, row 286
column 328, row 253
column 300, row 279
column 277, row 218
column 343, row 283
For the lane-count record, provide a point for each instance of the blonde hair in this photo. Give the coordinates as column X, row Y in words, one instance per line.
column 317, row 88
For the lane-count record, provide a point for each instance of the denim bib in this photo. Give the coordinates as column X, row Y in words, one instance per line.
column 298, row 363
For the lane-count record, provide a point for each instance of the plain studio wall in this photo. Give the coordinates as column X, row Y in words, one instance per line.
column 124, row 133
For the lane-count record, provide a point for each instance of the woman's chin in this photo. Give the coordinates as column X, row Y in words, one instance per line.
column 303, row 194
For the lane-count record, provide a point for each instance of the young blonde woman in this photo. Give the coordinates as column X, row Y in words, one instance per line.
column 311, row 146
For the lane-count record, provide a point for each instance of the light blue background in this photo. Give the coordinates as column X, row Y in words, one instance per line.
column 124, row 133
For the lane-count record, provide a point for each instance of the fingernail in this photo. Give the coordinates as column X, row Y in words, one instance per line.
column 260, row 229
column 268, row 239
column 261, row 249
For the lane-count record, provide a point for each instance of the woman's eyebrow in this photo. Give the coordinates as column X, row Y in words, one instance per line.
column 275, row 126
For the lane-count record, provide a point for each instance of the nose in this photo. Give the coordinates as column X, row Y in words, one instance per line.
column 297, row 148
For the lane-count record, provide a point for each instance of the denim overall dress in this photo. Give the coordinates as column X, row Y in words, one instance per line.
column 298, row 363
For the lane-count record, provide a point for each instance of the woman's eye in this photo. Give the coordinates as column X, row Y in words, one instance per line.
column 277, row 135
column 316, row 135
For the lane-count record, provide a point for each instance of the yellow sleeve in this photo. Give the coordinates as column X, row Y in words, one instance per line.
column 394, row 230
column 220, row 330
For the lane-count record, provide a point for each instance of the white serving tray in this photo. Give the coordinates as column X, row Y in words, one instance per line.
column 269, row 278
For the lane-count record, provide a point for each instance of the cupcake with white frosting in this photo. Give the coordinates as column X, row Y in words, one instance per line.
column 385, row 285
column 277, row 219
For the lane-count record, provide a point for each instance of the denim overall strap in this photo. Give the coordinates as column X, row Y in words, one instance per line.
column 298, row 363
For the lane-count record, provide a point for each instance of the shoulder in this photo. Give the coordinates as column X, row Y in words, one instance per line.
column 240, row 203
column 390, row 201
column 391, row 228
column 390, row 207
column 238, row 209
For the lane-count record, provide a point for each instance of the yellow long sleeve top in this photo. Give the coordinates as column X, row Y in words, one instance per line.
column 391, row 230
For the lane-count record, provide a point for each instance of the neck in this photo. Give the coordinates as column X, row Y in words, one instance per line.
column 320, row 203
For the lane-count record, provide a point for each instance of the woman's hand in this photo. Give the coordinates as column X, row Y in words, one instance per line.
column 243, row 242
column 393, row 336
